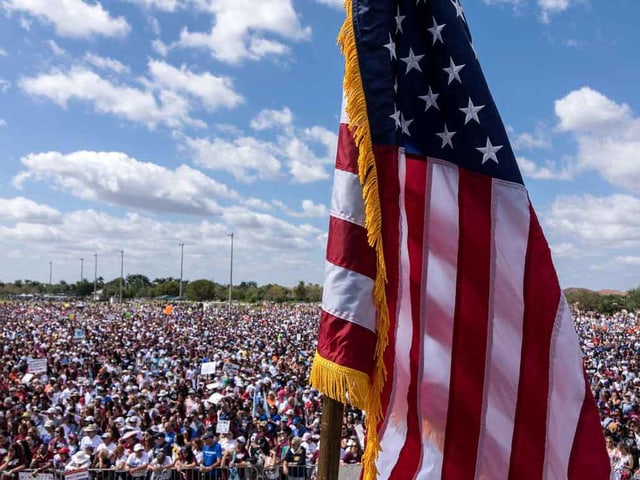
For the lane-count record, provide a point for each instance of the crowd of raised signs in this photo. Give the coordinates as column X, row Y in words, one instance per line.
column 143, row 387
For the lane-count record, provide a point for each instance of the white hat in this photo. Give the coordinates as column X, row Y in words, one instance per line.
column 81, row 458
column 138, row 447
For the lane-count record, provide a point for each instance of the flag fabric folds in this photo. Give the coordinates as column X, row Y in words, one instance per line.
column 442, row 313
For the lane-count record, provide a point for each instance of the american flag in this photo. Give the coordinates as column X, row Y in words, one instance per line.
column 442, row 313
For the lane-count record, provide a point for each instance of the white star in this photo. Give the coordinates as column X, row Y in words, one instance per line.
column 396, row 116
column 489, row 152
column 454, row 71
column 446, row 137
column 405, row 125
column 436, row 31
column 391, row 46
column 471, row 112
column 399, row 20
column 431, row 99
column 412, row 61
column 459, row 10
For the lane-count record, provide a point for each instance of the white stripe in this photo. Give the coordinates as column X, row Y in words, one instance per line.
column 438, row 311
column 567, row 390
column 510, row 232
column 346, row 199
column 349, row 296
column 394, row 432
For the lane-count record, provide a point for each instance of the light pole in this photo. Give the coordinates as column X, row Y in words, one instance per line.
column 121, row 272
column 50, row 275
column 81, row 269
column 230, row 274
column 181, row 266
column 95, row 275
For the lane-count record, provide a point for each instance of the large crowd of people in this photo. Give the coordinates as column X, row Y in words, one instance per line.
column 150, row 388
column 213, row 393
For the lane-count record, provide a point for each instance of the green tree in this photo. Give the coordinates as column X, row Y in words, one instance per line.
column 200, row 290
column 169, row 287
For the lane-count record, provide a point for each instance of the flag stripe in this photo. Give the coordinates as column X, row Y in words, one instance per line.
column 589, row 458
column 395, row 434
column 502, row 373
column 346, row 199
column 347, row 156
column 414, row 211
column 345, row 343
column 566, row 397
column 471, row 326
column 437, row 313
column 347, row 247
column 541, row 300
column 387, row 167
column 349, row 296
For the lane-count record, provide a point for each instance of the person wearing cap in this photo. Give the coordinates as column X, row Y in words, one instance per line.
column 90, row 439
column 137, row 462
column 60, row 459
column 160, row 466
column 47, row 432
column 107, row 442
column 211, row 456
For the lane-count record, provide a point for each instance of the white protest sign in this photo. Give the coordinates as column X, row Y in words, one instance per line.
column 37, row 365
column 78, row 334
column 34, row 476
column 223, row 426
column 208, row 368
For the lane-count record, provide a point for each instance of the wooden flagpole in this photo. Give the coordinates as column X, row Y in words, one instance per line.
column 330, row 437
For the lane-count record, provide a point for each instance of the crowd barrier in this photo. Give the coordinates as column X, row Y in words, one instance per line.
column 240, row 472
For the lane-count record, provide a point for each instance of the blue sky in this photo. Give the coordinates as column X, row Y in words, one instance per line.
column 137, row 125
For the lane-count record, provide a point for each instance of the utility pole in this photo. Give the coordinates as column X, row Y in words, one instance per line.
column 230, row 274
column 81, row 269
column 95, row 275
column 50, row 275
column 181, row 266
column 121, row 272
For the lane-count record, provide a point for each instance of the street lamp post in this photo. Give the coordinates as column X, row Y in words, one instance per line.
column 121, row 272
column 95, row 275
column 81, row 269
column 50, row 275
column 181, row 266
column 230, row 274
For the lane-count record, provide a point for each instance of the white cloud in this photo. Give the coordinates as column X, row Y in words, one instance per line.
column 239, row 29
column 154, row 25
column 563, row 250
column 126, row 102
column 267, row 119
column 308, row 209
column 72, row 18
column 164, row 5
column 214, row 92
column 3, row 52
column 56, row 49
column 333, row 3
column 539, row 139
column 589, row 110
column 513, row 3
column 117, row 179
column 550, row 7
column 627, row 260
column 160, row 48
column 105, row 63
column 3, row 122
column 549, row 171
column 246, row 158
column 4, row 85
column 609, row 222
column 608, row 136
column 20, row 209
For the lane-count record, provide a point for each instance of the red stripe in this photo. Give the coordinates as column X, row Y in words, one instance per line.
column 470, row 327
column 589, row 457
column 541, row 300
column 389, row 190
column 347, row 247
column 346, row 343
column 347, row 156
column 415, row 185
